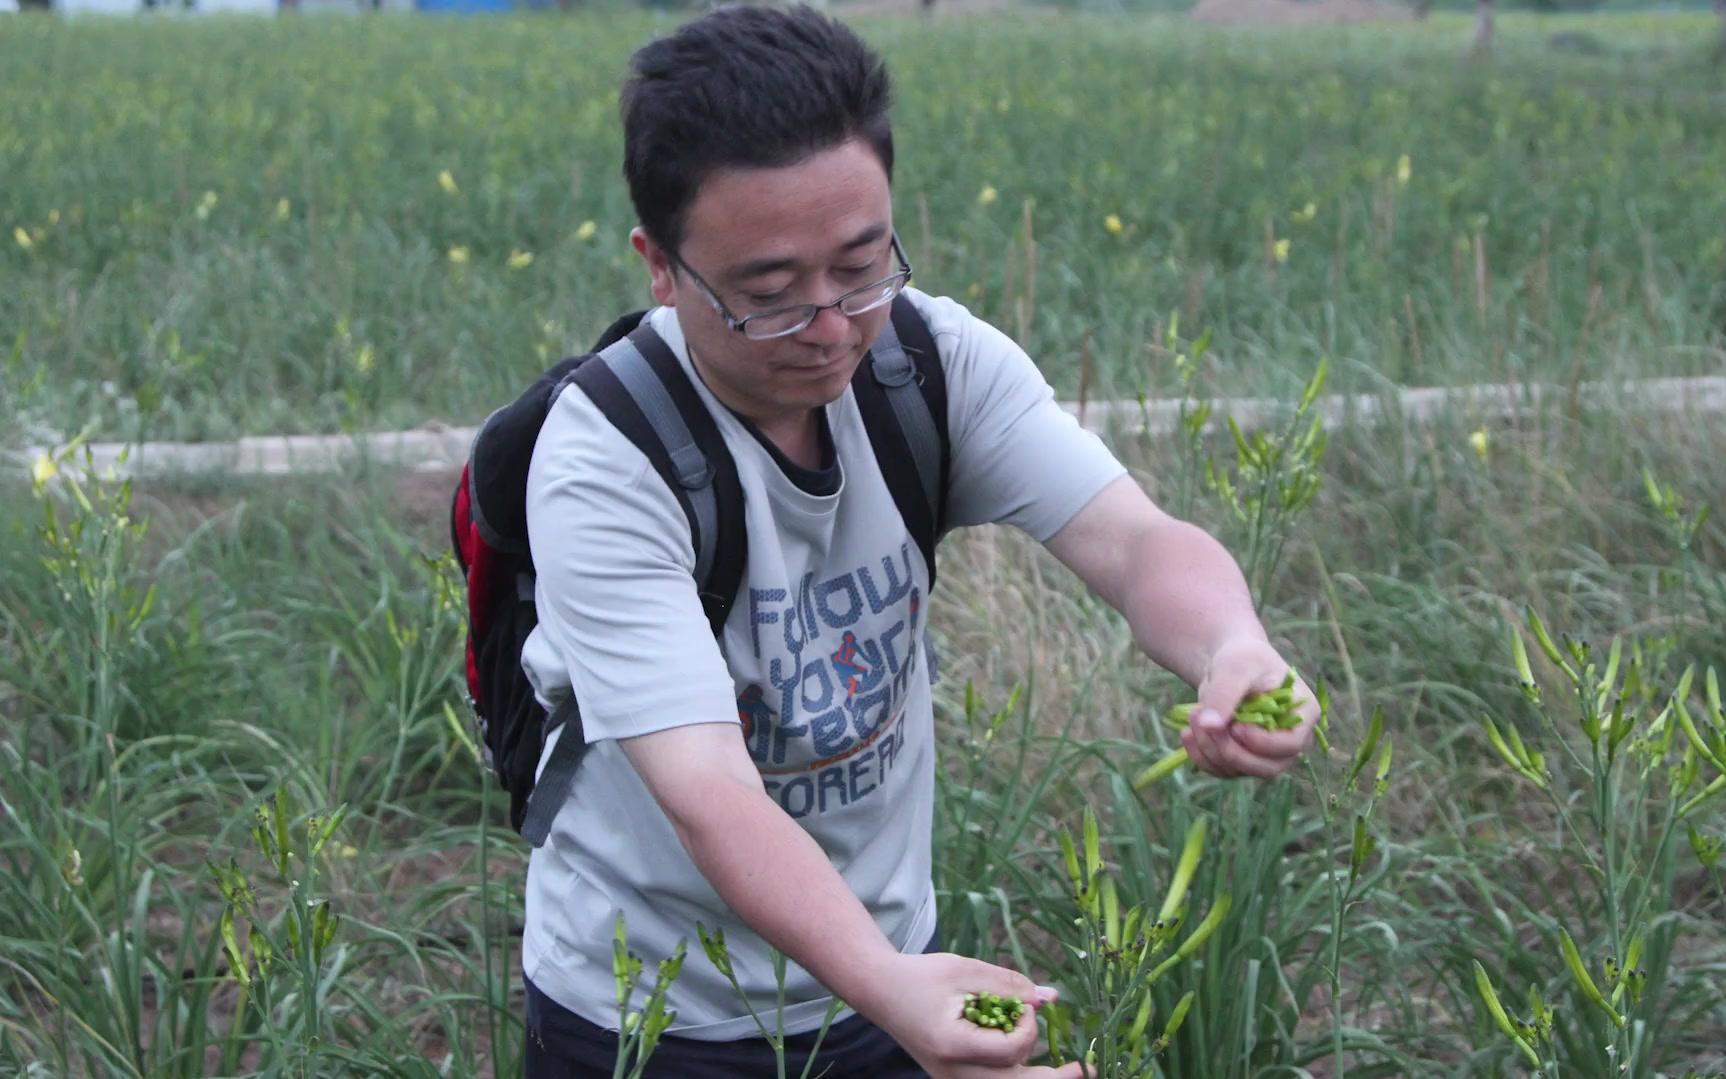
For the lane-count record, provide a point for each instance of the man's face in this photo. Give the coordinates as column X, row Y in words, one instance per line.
column 764, row 239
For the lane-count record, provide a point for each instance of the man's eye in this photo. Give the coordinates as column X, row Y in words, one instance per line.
column 857, row 271
column 764, row 300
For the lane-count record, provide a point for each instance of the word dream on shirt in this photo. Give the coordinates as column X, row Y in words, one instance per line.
column 830, row 716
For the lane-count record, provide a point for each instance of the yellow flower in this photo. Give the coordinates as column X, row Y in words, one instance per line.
column 586, row 230
column 1281, row 251
column 44, row 469
column 1478, row 441
column 447, row 182
column 1403, row 169
column 519, row 260
column 348, row 851
column 365, row 359
column 458, row 255
column 53, row 217
column 283, row 209
column 986, row 196
column 23, row 238
column 206, row 204
column 1304, row 214
column 1112, row 225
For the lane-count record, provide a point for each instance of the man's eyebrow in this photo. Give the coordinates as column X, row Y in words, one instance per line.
column 763, row 266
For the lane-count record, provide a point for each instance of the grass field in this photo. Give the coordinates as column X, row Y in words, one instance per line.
column 193, row 250
column 241, row 227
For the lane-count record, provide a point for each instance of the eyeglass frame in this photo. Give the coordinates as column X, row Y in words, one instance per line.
column 740, row 325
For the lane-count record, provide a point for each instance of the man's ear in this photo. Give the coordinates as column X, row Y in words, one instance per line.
column 661, row 273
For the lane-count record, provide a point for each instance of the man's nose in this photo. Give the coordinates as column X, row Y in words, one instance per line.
column 830, row 327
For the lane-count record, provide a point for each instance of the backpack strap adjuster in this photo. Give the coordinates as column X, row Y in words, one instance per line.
column 890, row 362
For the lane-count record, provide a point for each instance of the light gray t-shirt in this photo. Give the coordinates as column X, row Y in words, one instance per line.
column 821, row 663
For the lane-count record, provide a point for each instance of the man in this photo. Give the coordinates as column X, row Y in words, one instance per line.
column 779, row 782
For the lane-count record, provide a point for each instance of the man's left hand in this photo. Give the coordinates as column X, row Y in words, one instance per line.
column 1217, row 744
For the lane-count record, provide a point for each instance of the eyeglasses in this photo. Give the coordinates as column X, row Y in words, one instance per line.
column 785, row 321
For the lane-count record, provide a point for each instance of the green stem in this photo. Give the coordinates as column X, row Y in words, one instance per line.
column 491, row 994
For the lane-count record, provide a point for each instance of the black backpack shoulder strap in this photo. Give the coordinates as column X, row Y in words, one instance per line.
column 643, row 390
column 503, row 448
column 902, row 394
column 636, row 381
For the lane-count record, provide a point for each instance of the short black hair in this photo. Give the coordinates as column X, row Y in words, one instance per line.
column 744, row 87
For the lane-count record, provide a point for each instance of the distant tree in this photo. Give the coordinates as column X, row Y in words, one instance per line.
column 1483, row 27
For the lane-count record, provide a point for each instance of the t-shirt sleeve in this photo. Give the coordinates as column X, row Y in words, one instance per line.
column 1018, row 457
column 619, row 616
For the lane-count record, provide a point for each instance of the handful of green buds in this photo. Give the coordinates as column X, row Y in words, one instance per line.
column 1274, row 711
column 989, row 1010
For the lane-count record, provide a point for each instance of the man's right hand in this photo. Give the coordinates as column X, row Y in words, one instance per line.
column 704, row 779
column 921, row 1001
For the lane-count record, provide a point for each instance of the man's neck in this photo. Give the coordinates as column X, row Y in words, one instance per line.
column 798, row 438
column 797, row 434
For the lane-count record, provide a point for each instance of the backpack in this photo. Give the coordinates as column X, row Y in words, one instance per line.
column 637, row 382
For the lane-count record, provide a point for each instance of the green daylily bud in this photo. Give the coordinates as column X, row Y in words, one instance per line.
column 1545, row 641
column 231, row 945
column 1525, row 673
column 1573, row 959
column 1707, row 848
column 1483, row 985
column 1374, row 731
column 1191, row 851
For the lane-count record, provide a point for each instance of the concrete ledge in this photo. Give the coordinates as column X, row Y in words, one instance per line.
column 436, row 448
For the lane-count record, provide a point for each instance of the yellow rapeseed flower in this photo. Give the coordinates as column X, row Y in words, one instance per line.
column 1112, row 224
column 1281, row 251
column 1304, row 214
column 447, row 182
column 23, row 238
column 458, row 255
column 986, row 196
column 206, row 204
column 586, row 230
column 365, row 359
column 1478, row 442
column 53, row 217
column 283, row 209
column 520, row 260
column 1403, row 169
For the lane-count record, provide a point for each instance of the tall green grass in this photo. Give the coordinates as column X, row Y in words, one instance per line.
column 163, row 684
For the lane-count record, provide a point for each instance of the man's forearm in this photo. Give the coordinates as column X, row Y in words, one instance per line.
column 749, row 850
column 1188, row 597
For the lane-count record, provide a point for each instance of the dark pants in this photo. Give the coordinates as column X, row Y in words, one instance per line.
column 563, row 1045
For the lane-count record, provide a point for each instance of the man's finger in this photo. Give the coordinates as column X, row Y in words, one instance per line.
column 1244, row 763
column 1225, row 688
column 1201, row 747
column 1069, row 1071
column 995, row 1048
column 1278, row 745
